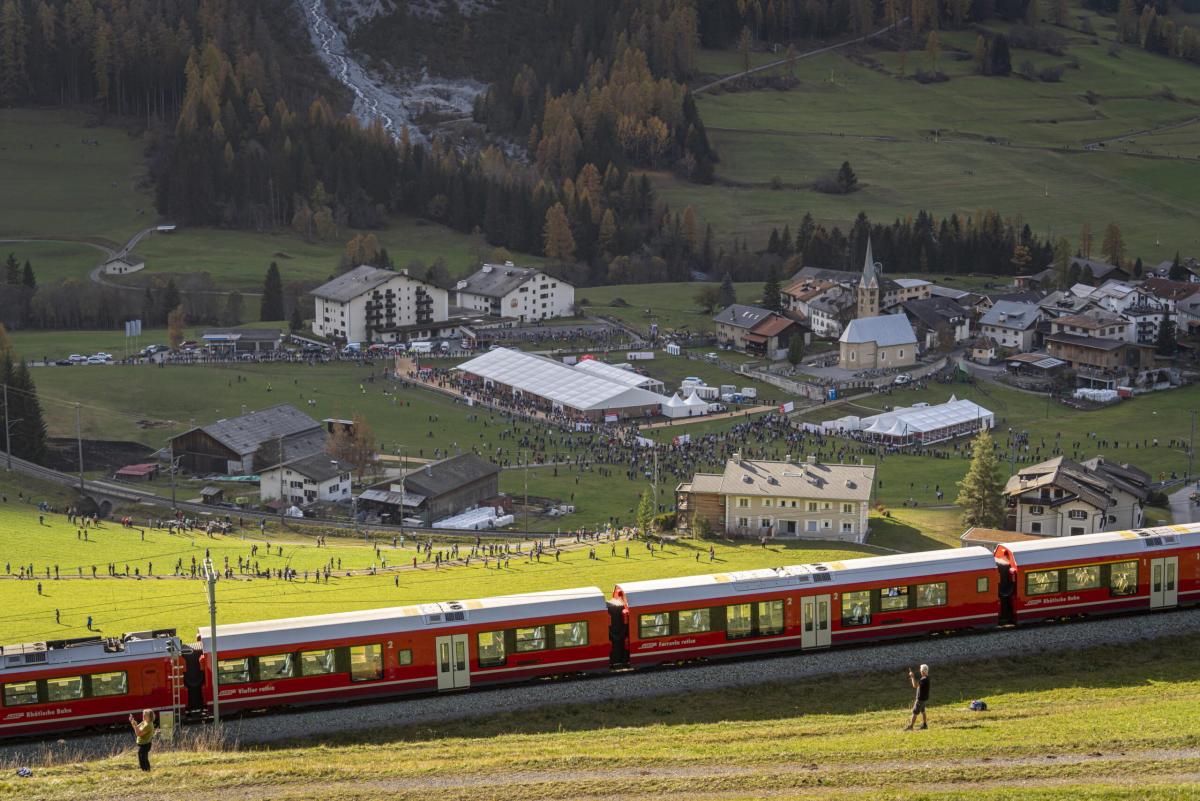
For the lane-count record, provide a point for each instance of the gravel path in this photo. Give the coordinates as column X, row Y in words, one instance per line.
column 667, row 681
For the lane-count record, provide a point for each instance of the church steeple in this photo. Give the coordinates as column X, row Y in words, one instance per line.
column 868, row 286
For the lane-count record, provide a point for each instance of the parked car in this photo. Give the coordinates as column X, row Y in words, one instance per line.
column 64, row 362
column 97, row 360
column 76, row 358
column 902, row 379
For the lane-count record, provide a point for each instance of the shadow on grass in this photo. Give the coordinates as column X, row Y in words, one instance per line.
column 889, row 532
column 1130, row 666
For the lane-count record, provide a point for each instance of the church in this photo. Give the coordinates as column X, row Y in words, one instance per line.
column 873, row 340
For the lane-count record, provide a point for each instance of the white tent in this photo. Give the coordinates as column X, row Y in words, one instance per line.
column 695, row 404
column 923, row 424
column 675, row 407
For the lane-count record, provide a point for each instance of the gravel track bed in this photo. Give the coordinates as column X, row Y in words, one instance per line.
column 664, row 681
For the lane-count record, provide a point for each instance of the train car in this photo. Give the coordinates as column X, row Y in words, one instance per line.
column 1093, row 574
column 807, row 606
column 61, row 685
column 431, row 647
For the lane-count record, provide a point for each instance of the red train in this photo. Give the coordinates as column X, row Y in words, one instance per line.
column 77, row 684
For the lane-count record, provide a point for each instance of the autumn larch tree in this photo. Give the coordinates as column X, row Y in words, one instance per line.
column 1113, row 247
column 559, row 242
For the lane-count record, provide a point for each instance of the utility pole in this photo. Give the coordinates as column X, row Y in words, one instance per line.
column 403, row 476
column 282, row 496
column 172, row 456
column 210, row 577
column 526, row 492
column 79, row 443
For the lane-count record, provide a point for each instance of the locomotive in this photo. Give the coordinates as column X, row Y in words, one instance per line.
column 65, row 685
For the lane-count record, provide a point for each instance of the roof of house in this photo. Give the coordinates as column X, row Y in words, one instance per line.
column 934, row 311
column 246, row 433
column 1170, row 290
column 1094, row 483
column 242, row 334
column 741, row 316
column 1100, row 269
column 1039, row 360
column 1040, row 277
column 949, row 292
column 1092, row 320
column 1094, row 343
column 1064, row 301
column 912, row 283
column 497, row 280
column 317, row 466
column 849, row 482
column 1020, row 296
column 705, row 482
column 127, row 259
column 773, row 326
column 1011, row 314
column 352, row 283
column 822, row 274
column 978, row 535
column 832, row 302
column 143, row 469
column 807, row 288
column 448, row 475
column 885, row 330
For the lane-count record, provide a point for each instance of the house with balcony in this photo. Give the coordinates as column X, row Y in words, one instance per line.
column 518, row 293
column 368, row 304
column 1062, row 498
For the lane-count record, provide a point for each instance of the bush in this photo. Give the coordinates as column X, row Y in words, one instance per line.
column 932, row 76
column 1050, row 74
column 618, row 303
column 1158, row 498
column 664, row 522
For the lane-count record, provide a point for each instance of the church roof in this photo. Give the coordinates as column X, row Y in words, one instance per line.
column 870, row 276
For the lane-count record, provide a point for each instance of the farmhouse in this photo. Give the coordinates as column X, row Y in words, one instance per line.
column 1061, row 497
column 938, row 321
column 755, row 330
column 367, row 304
column 1101, row 271
column 437, row 490
column 753, row 498
column 1011, row 324
column 309, row 479
column 230, row 446
column 123, row 264
column 520, row 293
column 877, row 342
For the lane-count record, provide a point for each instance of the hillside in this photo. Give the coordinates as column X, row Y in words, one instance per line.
column 1015, row 144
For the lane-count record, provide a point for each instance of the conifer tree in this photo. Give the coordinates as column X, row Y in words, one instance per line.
column 272, row 297
column 645, row 513
column 297, row 322
column 728, row 296
column 980, row 493
column 771, row 291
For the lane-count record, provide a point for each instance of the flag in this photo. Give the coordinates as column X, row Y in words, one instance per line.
column 787, row 408
column 683, row 439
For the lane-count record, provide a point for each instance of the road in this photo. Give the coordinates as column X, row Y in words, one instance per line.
column 1182, row 508
column 784, row 61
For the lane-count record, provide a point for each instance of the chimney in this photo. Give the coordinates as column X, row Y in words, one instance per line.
column 461, row 285
column 487, row 268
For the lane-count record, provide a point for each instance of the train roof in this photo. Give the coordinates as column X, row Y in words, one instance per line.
column 1097, row 546
column 504, row 609
column 93, row 650
column 821, row 575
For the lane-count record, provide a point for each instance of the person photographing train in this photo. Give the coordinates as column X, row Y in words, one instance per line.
column 921, row 685
column 144, row 732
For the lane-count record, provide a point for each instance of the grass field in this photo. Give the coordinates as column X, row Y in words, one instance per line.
column 1112, row 723
column 672, row 306
column 53, row 261
column 129, row 604
column 843, row 109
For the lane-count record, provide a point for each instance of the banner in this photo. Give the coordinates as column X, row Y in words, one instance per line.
column 683, row 439
column 787, row 408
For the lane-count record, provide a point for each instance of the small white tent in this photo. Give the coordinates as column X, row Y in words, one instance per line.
column 675, row 407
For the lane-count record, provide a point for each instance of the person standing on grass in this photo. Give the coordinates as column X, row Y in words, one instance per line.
column 144, row 732
column 921, row 685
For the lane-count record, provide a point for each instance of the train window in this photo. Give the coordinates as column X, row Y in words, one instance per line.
column 657, row 624
column 109, row 683
column 770, row 617
column 570, row 635
column 931, row 594
column 276, row 666
column 491, row 648
column 892, row 599
column 1122, row 578
column 856, row 608
column 531, row 639
column 738, row 622
column 1041, row 582
column 695, row 621
column 1083, row 578
column 404, row 657
column 366, row 662
column 20, row 693
column 64, row 688
column 233, row 671
column 316, row 663
column 981, row 584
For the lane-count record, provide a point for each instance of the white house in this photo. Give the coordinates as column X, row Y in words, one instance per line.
column 123, row 264
column 367, row 304
column 307, row 480
column 522, row 293
column 1011, row 324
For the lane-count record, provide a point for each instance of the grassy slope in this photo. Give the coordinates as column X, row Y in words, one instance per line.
column 129, row 605
column 63, row 188
column 801, row 134
column 672, row 306
column 1107, row 723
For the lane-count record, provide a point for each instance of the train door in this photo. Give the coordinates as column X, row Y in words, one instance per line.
column 453, row 667
column 814, row 621
column 1164, row 582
